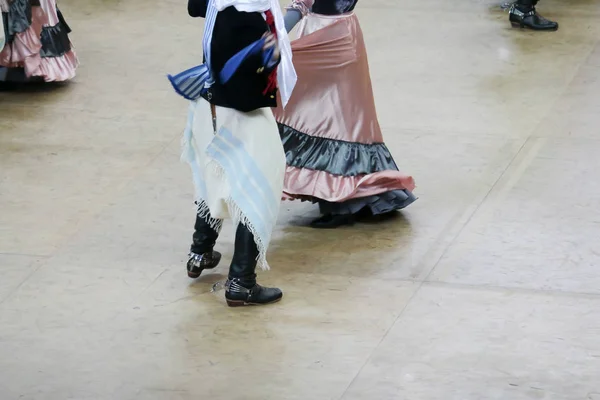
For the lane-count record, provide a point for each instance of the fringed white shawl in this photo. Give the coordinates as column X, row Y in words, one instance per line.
column 238, row 173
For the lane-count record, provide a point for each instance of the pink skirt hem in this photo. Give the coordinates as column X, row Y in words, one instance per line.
column 57, row 69
column 304, row 184
column 25, row 49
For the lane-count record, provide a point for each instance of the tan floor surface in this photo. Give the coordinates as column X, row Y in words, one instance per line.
column 487, row 288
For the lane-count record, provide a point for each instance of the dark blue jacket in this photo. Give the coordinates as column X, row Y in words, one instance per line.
column 233, row 31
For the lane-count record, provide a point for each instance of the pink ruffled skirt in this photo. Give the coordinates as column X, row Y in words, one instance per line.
column 37, row 40
column 334, row 146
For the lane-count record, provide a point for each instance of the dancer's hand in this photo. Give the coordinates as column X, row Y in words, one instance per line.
column 271, row 43
column 303, row 6
column 307, row 3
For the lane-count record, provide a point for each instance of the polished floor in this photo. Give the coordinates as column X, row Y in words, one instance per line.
column 487, row 288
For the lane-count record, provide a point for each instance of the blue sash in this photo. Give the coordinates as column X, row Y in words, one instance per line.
column 194, row 82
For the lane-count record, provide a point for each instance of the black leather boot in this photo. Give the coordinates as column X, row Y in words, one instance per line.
column 202, row 256
column 241, row 288
column 522, row 14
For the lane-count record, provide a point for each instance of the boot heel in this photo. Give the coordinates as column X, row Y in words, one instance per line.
column 516, row 25
column 199, row 262
column 236, row 303
column 193, row 275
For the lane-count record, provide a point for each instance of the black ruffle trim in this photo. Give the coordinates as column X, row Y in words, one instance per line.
column 62, row 21
column 17, row 19
column 334, row 156
column 55, row 41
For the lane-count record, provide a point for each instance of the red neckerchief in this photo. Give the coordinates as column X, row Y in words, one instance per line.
column 272, row 79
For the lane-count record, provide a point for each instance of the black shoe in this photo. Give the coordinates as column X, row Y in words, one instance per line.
column 199, row 262
column 527, row 17
column 330, row 221
column 202, row 255
column 239, row 294
column 241, row 288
